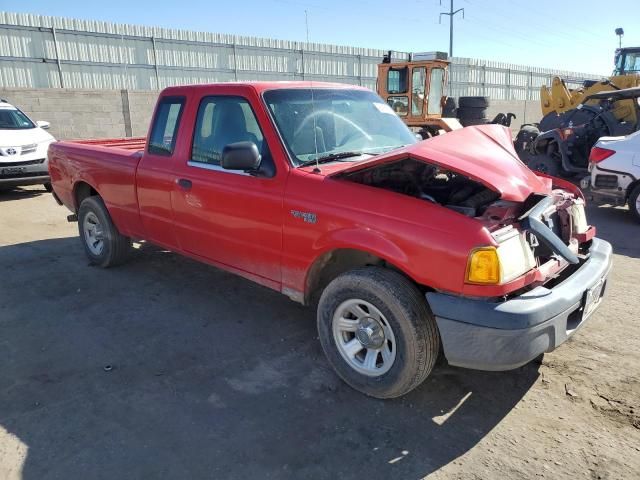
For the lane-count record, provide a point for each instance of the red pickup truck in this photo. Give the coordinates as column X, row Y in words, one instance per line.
column 319, row 191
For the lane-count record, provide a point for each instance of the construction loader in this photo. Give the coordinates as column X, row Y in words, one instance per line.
column 415, row 90
column 574, row 119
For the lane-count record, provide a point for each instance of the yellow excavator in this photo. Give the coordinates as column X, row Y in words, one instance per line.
column 574, row 119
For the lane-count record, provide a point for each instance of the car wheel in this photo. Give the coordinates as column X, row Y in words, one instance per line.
column 543, row 164
column 103, row 244
column 634, row 202
column 377, row 331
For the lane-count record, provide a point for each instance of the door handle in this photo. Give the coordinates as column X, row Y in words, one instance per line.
column 184, row 183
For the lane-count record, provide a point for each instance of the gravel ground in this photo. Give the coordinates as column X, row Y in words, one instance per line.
column 165, row 368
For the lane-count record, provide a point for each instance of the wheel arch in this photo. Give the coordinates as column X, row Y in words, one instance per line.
column 82, row 190
column 335, row 261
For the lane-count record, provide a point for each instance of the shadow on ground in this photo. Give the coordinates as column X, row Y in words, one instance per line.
column 211, row 377
column 617, row 226
column 18, row 193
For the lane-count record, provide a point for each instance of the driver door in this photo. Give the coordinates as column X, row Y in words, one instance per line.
column 224, row 216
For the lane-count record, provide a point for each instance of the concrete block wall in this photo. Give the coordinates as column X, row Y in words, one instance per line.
column 72, row 113
column 141, row 104
column 528, row 111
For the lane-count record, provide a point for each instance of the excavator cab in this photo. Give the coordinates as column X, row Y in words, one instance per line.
column 415, row 90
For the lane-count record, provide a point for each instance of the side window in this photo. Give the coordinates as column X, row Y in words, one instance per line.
column 417, row 90
column 397, row 80
column 165, row 126
column 221, row 121
column 400, row 105
column 436, row 90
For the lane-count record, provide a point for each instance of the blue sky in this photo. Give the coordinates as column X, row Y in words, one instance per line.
column 529, row 32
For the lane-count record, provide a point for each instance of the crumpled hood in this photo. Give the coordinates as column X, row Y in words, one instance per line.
column 483, row 153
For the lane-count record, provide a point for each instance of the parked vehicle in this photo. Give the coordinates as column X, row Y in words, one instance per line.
column 23, row 149
column 321, row 192
column 615, row 171
column 574, row 119
column 414, row 89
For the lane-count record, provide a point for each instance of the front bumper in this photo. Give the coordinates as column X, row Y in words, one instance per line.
column 506, row 335
column 24, row 172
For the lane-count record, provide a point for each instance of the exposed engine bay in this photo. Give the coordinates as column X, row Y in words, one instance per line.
column 430, row 183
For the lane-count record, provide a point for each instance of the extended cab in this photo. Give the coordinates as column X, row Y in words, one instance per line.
column 321, row 192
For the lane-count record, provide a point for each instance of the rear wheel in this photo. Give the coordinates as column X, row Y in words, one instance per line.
column 377, row 332
column 634, row 202
column 102, row 242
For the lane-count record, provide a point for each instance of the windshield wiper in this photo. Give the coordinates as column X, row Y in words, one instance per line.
column 335, row 156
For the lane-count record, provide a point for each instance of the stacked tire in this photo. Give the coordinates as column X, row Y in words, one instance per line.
column 473, row 110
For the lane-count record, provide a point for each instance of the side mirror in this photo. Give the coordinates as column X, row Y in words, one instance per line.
column 240, row 156
column 42, row 124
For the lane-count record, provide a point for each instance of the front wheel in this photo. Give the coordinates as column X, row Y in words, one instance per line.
column 103, row 243
column 377, row 332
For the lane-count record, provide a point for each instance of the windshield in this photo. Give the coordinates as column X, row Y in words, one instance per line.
column 627, row 62
column 14, row 119
column 335, row 121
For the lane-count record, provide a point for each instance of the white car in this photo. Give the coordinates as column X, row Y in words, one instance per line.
column 614, row 164
column 23, row 149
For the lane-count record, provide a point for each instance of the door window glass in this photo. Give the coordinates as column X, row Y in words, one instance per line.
column 436, row 89
column 221, row 121
column 397, row 80
column 165, row 126
column 418, row 81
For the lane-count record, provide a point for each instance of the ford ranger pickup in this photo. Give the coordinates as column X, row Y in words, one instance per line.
column 408, row 248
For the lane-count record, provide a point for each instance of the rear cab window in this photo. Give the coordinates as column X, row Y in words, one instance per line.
column 166, row 122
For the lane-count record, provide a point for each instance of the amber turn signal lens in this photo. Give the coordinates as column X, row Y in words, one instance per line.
column 484, row 266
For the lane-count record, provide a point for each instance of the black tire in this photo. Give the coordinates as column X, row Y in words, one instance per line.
column 473, row 102
column 544, row 164
column 47, row 186
column 116, row 248
column 471, row 113
column 634, row 205
column 467, row 122
column 450, row 108
column 407, row 314
column 524, row 138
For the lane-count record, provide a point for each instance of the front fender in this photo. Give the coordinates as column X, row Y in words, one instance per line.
column 365, row 240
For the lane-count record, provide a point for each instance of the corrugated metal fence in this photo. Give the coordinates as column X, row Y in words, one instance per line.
column 51, row 52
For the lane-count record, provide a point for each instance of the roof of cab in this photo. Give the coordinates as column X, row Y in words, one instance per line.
column 259, row 87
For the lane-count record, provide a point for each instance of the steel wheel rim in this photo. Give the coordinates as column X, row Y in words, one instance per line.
column 93, row 233
column 364, row 337
column 638, row 204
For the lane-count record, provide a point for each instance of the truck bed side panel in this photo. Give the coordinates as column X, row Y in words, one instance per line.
column 111, row 171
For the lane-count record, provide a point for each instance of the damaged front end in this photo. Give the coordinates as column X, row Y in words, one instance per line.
column 534, row 239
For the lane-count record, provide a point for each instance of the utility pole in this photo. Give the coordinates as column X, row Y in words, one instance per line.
column 451, row 13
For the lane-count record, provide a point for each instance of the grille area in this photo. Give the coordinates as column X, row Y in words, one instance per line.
column 606, row 181
column 22, row 164
column 23, row 175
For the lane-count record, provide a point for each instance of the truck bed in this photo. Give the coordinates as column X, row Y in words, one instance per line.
column 108, row 165
column 133, row 143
